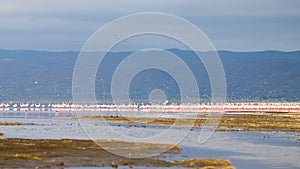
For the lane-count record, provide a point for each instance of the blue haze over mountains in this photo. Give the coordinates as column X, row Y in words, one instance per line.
column 38, row 76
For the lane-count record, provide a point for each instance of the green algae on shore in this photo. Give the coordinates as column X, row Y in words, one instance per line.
column 26, row 156
column 26, row 153
column 204, row 163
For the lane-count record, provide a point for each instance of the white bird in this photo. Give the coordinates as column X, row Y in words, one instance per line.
column 24, row 105
column 118, row 36
column 37, row 105
column 166, row 102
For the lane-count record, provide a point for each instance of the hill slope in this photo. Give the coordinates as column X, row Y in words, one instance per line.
column 47, row 76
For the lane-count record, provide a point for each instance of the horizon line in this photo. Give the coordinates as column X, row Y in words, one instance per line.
column 221, row 50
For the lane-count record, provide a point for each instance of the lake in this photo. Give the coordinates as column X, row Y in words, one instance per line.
column 244, row 149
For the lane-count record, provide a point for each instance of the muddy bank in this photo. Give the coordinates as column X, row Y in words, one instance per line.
column 233, row 122
column 6, row 123
column 26, row 153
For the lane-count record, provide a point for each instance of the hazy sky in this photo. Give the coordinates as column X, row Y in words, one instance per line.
column 59, row 25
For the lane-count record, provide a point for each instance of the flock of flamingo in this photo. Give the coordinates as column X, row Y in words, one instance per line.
column 227, row 107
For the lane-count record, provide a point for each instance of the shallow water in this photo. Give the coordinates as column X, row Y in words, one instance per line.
column 244, row 149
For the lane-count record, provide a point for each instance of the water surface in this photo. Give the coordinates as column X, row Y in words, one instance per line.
column 244, row 149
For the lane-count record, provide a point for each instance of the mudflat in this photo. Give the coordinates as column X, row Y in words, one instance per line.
column 228, row 122
column 28, row 153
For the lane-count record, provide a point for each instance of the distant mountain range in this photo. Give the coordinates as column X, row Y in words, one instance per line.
column 47, row 76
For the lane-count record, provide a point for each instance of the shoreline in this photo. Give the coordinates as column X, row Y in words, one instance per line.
column 285, row 122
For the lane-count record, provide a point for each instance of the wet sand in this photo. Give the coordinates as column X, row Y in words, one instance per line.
column 28, row 153
column 228, row 122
